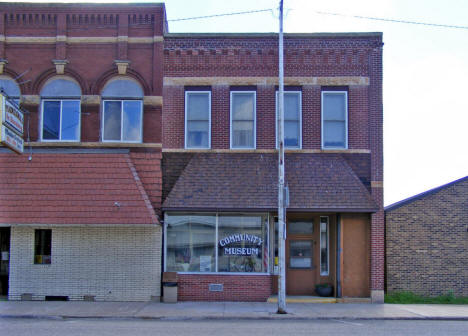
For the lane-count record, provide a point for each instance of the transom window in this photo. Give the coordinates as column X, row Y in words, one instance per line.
column 292, row 119
column 10, row 87
column 60, row 110
column 197, row 119
column 122, row 111
column 243, row 119
column 334, row 119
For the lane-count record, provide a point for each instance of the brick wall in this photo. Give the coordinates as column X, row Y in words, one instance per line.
column 90, row 62
column 194, row 287
column 245, row 56
column 111, row 263
column 174, row 116
column 426, row 243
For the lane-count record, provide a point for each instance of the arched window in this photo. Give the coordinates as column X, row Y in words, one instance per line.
column 122, row 113
column 60, row 117
column 10, row 87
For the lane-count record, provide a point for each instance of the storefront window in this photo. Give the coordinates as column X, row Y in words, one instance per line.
column 242, row 244
column 216, row 243
column 190, row 243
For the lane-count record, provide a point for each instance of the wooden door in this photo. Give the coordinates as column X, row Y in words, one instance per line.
column 300, row 260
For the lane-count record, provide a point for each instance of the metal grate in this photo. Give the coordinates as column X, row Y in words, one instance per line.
column 215, row 287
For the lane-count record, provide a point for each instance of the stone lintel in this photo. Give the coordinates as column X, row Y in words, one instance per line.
column 319, row 81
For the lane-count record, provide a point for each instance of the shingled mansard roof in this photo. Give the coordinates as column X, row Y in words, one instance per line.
column 238, row 181
column 94, row 189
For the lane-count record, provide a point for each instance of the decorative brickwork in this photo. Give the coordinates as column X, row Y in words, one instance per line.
column 426, row 242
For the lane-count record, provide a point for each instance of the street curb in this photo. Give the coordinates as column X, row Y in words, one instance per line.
column 237, row 318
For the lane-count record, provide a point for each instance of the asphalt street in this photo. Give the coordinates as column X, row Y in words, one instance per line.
column 114, row 327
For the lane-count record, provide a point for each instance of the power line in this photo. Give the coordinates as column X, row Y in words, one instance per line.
column 394, row 20
column 218, row 15
column 331, row 14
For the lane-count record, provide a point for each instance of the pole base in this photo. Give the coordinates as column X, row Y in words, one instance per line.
column 281, row 311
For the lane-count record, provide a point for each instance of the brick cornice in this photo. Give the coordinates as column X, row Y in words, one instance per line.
column 79, row 39
column 321, row 81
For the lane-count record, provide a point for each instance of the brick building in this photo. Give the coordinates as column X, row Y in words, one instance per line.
column 220, row 164
column 181, row 127
column 79, row 210
column 426, row 242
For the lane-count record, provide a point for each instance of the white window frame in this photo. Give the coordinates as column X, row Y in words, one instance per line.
column 41, row 131
column 328, row 246
column 345, row 93
column 121, row 121
column 255, row 120
column 300, row 120
column 187, row 93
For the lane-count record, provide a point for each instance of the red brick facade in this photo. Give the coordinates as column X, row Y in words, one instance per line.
column 195, row 287
column 222, row 62
column 90, row 39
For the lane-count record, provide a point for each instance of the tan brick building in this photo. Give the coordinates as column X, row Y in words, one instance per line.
column 427, row 242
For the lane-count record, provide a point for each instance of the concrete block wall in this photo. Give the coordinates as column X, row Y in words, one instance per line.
column 110, row 263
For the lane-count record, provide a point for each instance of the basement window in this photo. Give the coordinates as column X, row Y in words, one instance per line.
column 42, row 246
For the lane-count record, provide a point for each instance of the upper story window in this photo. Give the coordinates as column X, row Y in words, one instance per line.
column 334, row 119
column 197, row 119
column 60, row 112
column 243, row 119
column 10, row 87
column 122, row 115
column 292, row 119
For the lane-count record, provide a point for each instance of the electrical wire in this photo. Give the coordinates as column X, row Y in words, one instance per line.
column 393, row 20
column 218, row 15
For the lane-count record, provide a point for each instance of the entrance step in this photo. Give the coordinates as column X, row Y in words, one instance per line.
column 303, row 299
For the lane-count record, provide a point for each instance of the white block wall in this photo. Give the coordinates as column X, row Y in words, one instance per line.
column 110, row 263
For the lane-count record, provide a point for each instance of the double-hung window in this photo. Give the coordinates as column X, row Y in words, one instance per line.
column 122, row 115
column 243, row 119
column 197, row 119
column 292, row 119
column 60, row 111
column 334, row 119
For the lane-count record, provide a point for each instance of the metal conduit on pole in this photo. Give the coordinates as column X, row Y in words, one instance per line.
column 281, row 189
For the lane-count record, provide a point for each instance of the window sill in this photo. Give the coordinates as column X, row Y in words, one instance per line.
column 92, row 144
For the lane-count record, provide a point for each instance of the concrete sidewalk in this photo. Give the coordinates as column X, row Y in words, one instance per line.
column 228, row 310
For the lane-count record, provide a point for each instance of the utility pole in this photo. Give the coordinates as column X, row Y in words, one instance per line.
column 281, row 190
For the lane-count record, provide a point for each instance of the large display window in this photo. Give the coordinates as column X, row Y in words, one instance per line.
column 229, row 243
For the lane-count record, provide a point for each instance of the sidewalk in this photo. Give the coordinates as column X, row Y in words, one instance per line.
column 228, row 310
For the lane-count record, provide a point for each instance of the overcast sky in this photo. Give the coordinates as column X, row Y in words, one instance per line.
column 425, row 73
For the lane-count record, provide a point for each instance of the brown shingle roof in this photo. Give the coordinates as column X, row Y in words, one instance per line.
column 237, row 181
column 72, row 189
